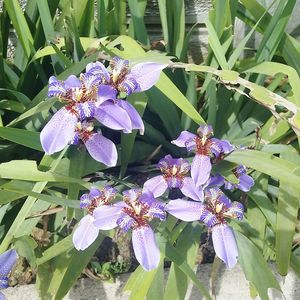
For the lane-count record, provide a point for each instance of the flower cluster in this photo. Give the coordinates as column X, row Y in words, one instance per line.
column 206, row 202
column 99, row 94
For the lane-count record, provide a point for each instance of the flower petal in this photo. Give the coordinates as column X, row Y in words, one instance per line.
column 145, row 248
column 246, row 182
column 58, row 132
column 102, row 149
column 106, row 92
column 217, row 180
column 185, row 210
column 85, row 234
column 225, row 244
column 7, row 261
column 106, row 216
column 190, row 190
column 146, row 74
column 56, row 87
column 157, row 185
column 72, row 82
column 2, row 296
column 98, row 69
column 200, row 171
column 113, row 116
column 184, row 137
column 136, row 120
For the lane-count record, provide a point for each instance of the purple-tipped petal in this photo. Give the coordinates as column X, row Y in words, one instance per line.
column 246, row 183
column 106, row 92
column 146, row 74
column 106, row 216
column 145, row 248
column 216, row 180
column 136, row 120
column 185, row 210
column 113, row 116
column 56, row 87
column 200, row 171
column 157, row 185
column 72, row 82
column 7, row 261
column 102, row 149
column 98, row 69
column 184, row 137
column 126, row 222
column 59, row 131
column 205, row 130
column 225, row 244
column 94, row 193
column 190, row 190
column 85, row 234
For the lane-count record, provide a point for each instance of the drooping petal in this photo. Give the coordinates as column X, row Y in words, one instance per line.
column 200, row 171
column 157, row 185
column 106, row 92
column 136, row 120
column 106, row 216
column 56, row 87
column 113, row 116
column 145, row 248
column 7, row 261
column 146, row 74
column 102, row 149
column 85, row 234
column 246, row 182
column 184, row 137
column 225, row 244
column 185, row 210
column 190, row 190
column 72, row 82
column 59, row 131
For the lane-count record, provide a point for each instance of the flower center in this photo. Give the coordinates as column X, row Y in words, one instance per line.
column 203, row 146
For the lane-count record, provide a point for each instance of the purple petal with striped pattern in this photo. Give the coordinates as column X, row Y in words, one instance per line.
column 157, row 185
column 85, row 234
column 56, row 87
column 225, row 244
column 102, row 149
column 98, row 69
column 185, row 210
column 145, row 248
column 113, row 116
column 201, row 168
column 58, row 132
column 125, row 222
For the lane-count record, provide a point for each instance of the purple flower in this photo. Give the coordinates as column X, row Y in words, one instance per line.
column 86, row 232
column 244, row 181
column 205, row 148
column 174, row 175
column 121, row 79
column 7, row 261
column 135, row 212
column 213, row 213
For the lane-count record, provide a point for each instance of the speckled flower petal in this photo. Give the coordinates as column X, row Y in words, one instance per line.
column 185, row 210
column 200, row 171
column 58, row 132
column 190, row 190
column 106, row 216
column 157, row 185
column 225, row 244
column 102, row 149
column 145, row 248
column 136, row 120
column 184, row 137
column 85, row 234
column 113, row 116
column 146, row 74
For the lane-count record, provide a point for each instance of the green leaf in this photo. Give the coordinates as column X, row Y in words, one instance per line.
column 25, row 246
column 255, row 267
column 23, row 137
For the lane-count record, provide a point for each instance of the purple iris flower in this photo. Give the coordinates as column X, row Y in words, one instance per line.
column 213, row 213
column 135, row 212
column 86, row 232
column 174, row 175
column 7, row 261
column 205, row 148
column 245, row 181
column 122, row 79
